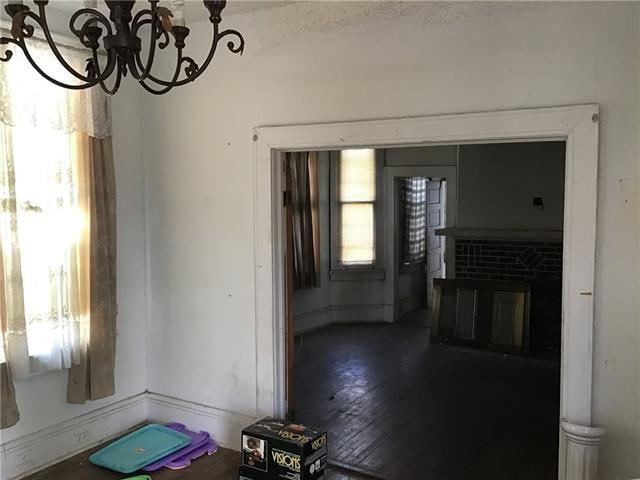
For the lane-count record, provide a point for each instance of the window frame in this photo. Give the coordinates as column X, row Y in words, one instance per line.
column 339, row 270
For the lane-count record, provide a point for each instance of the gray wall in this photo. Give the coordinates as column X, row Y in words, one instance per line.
column 497, row 184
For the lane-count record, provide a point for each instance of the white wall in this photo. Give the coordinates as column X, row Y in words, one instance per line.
column 497, row 183
column 421, row 156
column 42, row 399
column 318, row 62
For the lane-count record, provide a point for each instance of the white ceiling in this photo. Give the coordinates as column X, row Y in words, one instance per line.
column 194, row 9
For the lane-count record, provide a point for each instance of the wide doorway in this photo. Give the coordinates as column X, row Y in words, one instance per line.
column 424, row 324
column 576, row 125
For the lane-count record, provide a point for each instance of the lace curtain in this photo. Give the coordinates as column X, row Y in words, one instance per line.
column 28, row 99
column 44, row 229
column 45, row 194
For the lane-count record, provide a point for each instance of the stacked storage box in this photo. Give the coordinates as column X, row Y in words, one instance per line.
column 275, row 449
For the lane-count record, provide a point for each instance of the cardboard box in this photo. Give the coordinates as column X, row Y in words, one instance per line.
column 280, row 450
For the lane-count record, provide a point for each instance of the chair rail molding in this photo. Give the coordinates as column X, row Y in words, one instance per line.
column 576, row 125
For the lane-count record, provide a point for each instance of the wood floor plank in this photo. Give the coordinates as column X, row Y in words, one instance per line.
column 399, row 407
column 222, row 465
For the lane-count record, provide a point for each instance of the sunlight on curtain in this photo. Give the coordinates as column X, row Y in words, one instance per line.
column 44, row 215
column 357, row 233
column 26, row 99
column 50, row 225
column 357, row 194
column 357, row 175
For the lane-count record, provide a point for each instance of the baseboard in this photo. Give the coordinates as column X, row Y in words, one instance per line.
column 359, row 313
column 224, row 426
column 33, row 452
column 333, row 314
column 410, row 304
column 308, row 321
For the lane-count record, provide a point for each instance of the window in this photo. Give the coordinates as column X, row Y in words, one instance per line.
column 42, row 227
column 357, row 202
column 57, row 230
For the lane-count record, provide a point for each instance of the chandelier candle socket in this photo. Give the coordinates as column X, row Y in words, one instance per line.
column 120, row 37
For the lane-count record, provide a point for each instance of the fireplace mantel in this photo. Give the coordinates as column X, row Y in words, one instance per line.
column 500, row 234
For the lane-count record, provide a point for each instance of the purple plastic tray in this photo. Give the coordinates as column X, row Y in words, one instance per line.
column 198, row 440
column 209, row 448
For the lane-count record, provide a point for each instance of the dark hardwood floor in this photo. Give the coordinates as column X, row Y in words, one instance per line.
column 222, row 465
column 399, row 408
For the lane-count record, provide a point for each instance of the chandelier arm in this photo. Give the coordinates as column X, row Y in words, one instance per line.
column 231, row 44
column 176, row 83
column 136, row 22
column 95, row 17
column 136, row 64
column 134, row 60
column 7, row 53
column 161, row 32
column 27, row 54
column 42, row 22
column 116, row 84
column 103, row 85
column 170, row 84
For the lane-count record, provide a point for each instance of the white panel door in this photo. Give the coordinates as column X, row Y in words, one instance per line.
column 435, row 243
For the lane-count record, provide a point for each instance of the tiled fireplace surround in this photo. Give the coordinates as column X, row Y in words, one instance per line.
column 509, row 260
column 537, row 263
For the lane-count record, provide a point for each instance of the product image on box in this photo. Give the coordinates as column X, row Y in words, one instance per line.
column 279, row 450
column 254, row 452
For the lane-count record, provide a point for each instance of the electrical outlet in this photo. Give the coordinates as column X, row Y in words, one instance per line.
column 82, row 437
column 22, row 459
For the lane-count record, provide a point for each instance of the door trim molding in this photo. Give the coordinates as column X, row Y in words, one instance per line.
column 577, row 125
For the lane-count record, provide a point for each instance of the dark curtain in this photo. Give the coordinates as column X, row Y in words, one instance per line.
column 302, row 179
column 414, row 200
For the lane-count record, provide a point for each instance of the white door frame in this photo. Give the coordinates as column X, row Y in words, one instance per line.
column 392, row 249
column 577, row 125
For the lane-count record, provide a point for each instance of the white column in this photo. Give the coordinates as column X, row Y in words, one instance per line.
column 581, row 445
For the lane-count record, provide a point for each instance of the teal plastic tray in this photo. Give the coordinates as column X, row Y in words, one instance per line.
column 140, row 448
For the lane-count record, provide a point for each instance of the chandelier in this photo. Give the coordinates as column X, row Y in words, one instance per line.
column 115, row 45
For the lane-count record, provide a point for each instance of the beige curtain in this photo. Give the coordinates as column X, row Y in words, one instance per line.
column 303, row 180
column 93, row 377
column 9, row 414
column 11, row 306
